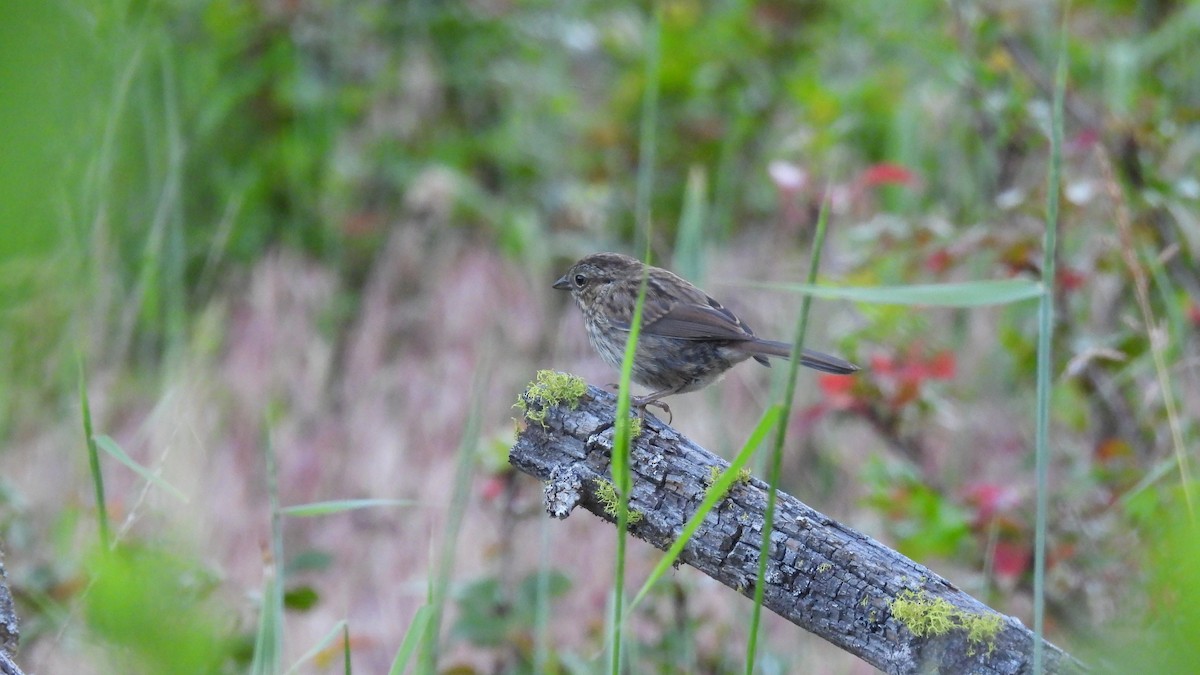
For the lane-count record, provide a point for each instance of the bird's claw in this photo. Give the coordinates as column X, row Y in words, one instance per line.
column 642, row 404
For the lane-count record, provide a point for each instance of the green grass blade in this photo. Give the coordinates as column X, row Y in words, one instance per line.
column 113, row 448
column 268, row 640
column 647, row 135
column 1160, row 353
column 1137, row 259
column 727, row 180
column 542, row 639
column 692, row 232
column 621, row 475
column 94, row 460
column 321, row 645
column 459, row 498
column 716, row 492
column 776, row 467
column 1156, row 473
column 1044, row 358
column 340, row 505
column 958, row 294
column 621, row 432
column 412, row 637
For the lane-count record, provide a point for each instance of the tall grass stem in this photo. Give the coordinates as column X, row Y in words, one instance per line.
column 1045, row 358
column 776, row 462
column 93, row 459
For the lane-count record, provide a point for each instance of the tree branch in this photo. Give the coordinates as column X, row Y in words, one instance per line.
column 10, row 627
column 825, row 577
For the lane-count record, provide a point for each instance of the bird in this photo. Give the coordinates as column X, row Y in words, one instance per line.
column 687, row 340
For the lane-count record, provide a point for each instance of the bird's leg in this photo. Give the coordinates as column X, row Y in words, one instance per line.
column 641, row 402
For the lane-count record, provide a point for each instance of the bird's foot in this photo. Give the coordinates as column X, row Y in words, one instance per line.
column 642, row 402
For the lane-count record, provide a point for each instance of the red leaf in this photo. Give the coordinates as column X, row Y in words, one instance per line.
column 1083, row 141
column 805, row 419
column 1194, row 314
column 1010, row 559
column 939, row 261
column 491, row 488
column 838, row 389
column 942, row 366
column 908, row 391
column 887, row 174
column 990, row 499
column 1070, row 279
column 883, row 364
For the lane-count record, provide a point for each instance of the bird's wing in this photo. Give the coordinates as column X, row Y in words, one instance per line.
column 692, row 321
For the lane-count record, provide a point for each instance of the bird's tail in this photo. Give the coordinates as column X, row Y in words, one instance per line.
column 809, row 358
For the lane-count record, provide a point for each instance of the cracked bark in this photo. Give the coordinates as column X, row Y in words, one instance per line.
column 10, row 627
column 822, row 575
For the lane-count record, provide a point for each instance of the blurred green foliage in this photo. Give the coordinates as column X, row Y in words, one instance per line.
column 156, row 605
column 492, row 615
column 1160, row 635
column 925, row 522
column 44, row 78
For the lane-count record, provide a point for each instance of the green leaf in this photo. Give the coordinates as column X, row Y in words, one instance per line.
column 961, row 294
column 337, row 506
column 321, row 645
column 267, row 639
column 110, row 446
column 93, row 456
column 300, row 598
column 308, row 561
column 411, row 639
column 556, row 583
column 484, row 613
column 142, row 602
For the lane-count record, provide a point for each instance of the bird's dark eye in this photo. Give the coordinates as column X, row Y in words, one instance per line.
column 580, row 280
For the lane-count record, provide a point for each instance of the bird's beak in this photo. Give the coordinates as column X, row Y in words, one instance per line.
column 563, row 284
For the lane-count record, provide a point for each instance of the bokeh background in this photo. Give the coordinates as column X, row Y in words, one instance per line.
column 291, row 251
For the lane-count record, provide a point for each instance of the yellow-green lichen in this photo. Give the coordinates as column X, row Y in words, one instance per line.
column 606, row 492
column 982, row 629
column 548, row 389
column 923, row 616
column 635, row 426
column 824, row 567
column 714, row 472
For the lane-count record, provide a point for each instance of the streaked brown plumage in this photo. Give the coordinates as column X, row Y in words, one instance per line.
column 688, row 340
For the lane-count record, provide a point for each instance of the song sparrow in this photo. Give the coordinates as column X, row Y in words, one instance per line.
column 687, row 341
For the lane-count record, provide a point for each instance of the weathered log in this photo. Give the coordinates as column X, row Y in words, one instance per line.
column 822, row 576
column 10, row 627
